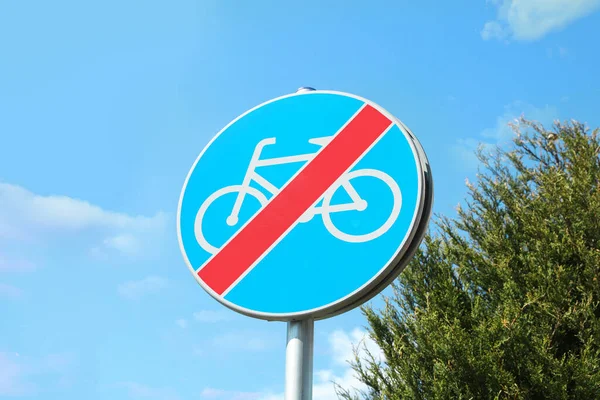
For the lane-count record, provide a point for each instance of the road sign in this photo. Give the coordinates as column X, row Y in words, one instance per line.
column 304, row 206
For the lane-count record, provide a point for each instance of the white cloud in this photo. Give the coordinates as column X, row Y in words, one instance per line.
column 137, row 289
column 493, row 30
column 140, row 391
column 464, row 151
column 324, row 389
column 501, row 133
column 341, row 346
column 211, row 316
column 533, row 19
column 27, row 216
column 12, row 265
column 12, row 377
column 17, row 373
column 125, row 243
column 10, row 291
column 182, row 323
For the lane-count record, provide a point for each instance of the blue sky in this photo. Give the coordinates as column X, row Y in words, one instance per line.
column 104, row 106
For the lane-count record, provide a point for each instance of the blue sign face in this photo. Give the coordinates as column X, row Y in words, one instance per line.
column 301, row 206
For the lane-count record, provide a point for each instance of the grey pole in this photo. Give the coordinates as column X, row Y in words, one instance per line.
column 299, row 360
column 299, row 351
column 307, row 365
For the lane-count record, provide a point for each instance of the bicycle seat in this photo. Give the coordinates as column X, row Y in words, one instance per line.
column 321, row 141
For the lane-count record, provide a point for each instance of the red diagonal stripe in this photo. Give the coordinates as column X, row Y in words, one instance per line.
column 273, row 221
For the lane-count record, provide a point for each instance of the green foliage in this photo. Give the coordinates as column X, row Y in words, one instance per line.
column 504, row 301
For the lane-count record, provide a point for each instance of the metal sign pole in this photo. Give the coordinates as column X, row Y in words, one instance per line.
column 299, row 360
column 346, row 128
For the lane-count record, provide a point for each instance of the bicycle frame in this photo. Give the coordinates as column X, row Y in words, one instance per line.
column 255, row 162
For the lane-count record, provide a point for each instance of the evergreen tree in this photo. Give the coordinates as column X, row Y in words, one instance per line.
column 503, row 301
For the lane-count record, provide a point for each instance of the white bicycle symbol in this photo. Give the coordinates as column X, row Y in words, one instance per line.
column 357, row 203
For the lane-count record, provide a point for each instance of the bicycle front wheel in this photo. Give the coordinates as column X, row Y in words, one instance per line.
column 397, row 205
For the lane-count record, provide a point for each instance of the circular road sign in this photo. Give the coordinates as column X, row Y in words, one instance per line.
column 305, row 206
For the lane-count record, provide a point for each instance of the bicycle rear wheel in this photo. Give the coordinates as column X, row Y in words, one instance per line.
column 198, row 227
